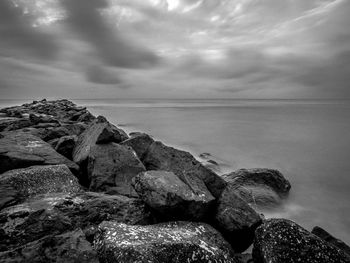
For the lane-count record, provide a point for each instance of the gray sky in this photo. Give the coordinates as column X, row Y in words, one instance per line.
column 175, row 48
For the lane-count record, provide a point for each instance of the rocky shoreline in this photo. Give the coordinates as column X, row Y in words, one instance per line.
column 76, row 188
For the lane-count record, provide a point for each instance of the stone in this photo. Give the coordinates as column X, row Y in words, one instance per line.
column 140, row 142
column 260, row 187
column 183, row 164
column 281, row 240
column 172, row 198
column 171, row 242
column 65, row 146
column 71, row 247
column 21, row 150
column 19, row 184
column 236, row 220
column 11, row 124
column 113, row 166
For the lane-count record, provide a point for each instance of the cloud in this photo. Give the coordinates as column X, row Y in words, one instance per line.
column 102, row 75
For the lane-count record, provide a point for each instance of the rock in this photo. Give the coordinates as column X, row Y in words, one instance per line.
column 172, row 198
column 113, row 166
column 19, row 184
column 20, row 150
column 65, row 146
column 281, row 240
column 10, row 124
column 172, row 242
column 236, row 220
column 183, row 164
column 70, row 247
column 261, row 187
column 324, row 235
column 99, row 131
column 140, row 142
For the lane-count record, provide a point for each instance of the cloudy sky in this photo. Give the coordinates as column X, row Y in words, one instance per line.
column 175, row 48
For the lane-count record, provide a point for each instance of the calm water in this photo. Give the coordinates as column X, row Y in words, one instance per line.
column 308, row 141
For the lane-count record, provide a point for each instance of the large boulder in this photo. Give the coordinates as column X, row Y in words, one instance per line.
column 260, row 186
column 71, row 247
column 172, row 198
column 20, row 150
column 100, row 131
column 65, row 146
column 281, row 240
column 183, row 164
column 172, row 242
column 140, row 142
column 111, row 167
column 236, row 220
column 19, row 184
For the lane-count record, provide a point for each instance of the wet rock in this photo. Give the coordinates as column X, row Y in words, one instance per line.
column 172, row 242
column 69, row 247
column 172, row 198
column 20, row 150
column 236, row 220
column 112, row 166
column 183, row 164
column 324, row 235
column 140, row 142
column 65, row 145
column 281, row 240
column 261, row 187
column 19, row 184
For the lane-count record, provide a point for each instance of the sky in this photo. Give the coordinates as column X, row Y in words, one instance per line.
column 255, row 49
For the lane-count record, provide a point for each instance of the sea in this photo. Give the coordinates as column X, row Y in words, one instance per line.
column 307, row 140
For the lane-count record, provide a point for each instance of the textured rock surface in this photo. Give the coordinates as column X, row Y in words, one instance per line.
column 20, row 150
column 281, row 240
column 184, row 165
column 260, row 186
column 171, row 242
column 112, row 167
column 140, row 142
column 171, row 197
column 65, row 146
column 71, row 247
column 236, row 220
column 21, row 184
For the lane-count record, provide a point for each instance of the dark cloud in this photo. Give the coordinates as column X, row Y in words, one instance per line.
column 18, row 36
column 101, row 75
column 85, row 20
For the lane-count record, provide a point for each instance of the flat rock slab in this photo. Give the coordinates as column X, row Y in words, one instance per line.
column 20, row 150
column 170, row 242
column 19, row 184
column 172, row 198
column 281, row 240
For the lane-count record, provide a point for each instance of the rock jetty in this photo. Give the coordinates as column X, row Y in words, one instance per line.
column 76, row 188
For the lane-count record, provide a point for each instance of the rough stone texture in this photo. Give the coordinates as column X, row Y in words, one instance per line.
column 171, row 197
column 324, row 235
column 260, row 186
column 20, row 150
column 112, row 167
column 9, row 124
column 184, row 165
column 65, row 146
column 71, row 247
column 281, row 240
column 172, row 242
column 19, row 184
column 236, row 220
column 100, row 131
column 140, row 142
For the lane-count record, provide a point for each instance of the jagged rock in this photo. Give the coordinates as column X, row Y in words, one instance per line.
column 172, row 242
column 10, row 124
column 19, row 184
column 324, row 235
column 20, row 150
column 261, row 187
column 65, row 145
column 140, row 142
column 69, row 247
column 183, row 164
column 100, row 130
column 172, row 198
column 281, row 240
column 236, row 220
column 112, row 167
